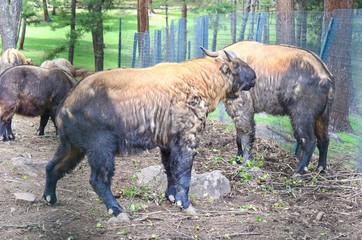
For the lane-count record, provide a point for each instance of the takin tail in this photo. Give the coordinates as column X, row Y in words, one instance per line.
column 322, row 121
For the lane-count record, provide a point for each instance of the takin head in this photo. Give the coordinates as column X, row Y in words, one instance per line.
column 242, row 75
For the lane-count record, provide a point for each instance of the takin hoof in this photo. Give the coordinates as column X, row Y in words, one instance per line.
column 51, row 200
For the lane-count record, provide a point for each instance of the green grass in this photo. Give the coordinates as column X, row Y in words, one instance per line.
column 42, row 37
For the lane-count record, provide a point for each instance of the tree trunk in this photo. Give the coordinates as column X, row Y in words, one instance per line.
column 252, row 22
column 285, row 21
column 22, row 34
column 301, row 37
column 97, row 35
column 10, row 13
column 245, row 19
column 266, row 37
column 73, row 35
column 142, row 16
column 46, row 14
column 142, row 26
column 184, row 29
column 339, row 62
column 54, row 11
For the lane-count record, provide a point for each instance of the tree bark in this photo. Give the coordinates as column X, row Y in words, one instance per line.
column 339, row 62
column 285, row 21
column 10, row 14
column 301, row 36
column 73, row 35
column 97, row 35
column 46, row 13
column 22, row 34
column 244, row 19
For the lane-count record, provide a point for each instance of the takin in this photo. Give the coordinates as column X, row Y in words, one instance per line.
column 290, row 81
column 123, row 111
column 12, row 57
column 31, row 91
column 65, row 65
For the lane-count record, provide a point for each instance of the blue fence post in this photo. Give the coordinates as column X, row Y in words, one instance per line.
column 259, row 27
column 206, row 32
column 146, row 49
column 119, row 42
column 134, row 50
column 181, row 43
column 157, row 47
column 328, row 39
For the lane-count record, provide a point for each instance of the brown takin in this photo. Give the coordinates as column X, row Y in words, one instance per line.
column 65, row 65
column 31, row 91
column 124, row 111
column 290, row 81
column 12, row 57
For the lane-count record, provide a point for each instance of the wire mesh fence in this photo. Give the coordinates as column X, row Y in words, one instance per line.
column 336, row 38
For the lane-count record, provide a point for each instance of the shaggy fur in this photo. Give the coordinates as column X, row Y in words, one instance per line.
column 31, row 91
column 124, row 111
column 65, row 65
column 12, row 57
column 290, row 81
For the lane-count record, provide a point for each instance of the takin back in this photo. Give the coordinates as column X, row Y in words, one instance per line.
column 290, row 81
column 124, row 111
column 31, row 91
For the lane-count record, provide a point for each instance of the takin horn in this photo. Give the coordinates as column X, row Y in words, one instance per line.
column 209, row 53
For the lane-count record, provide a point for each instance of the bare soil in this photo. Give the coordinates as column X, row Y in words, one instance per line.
column 265, row 201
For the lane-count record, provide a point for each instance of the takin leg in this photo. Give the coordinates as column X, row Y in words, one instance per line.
column 6, row 131
column 180, row 166
column 171, row 188
column 101, row 161
column 242, row 113
column 43, row 122
column 304, row 134
column 65, row 159
column 321, row 131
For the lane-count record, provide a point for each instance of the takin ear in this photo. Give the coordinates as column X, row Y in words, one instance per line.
column 224, row 68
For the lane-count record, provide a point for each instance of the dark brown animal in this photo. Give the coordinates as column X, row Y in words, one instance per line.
column 124, row 111
column 12, row 57
column 290, row 81
column 31, row 91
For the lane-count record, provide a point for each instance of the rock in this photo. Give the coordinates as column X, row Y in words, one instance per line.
column 121, row 218
column 212, row 184
column 29, row 166
column 154, row 177
column 24, row 197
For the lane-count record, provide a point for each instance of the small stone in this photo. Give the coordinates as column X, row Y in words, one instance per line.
column 24, row 197
column 319, row 216
column 191, row 210
column 121, row 218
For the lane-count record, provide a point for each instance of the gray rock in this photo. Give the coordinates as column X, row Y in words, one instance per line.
column 29, row 166
column 212, row 184
column 24, row 197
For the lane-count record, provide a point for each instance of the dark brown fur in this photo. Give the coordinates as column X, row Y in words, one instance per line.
column 290, row 81
column 31, row 91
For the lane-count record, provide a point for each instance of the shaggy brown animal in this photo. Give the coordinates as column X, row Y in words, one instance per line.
column 124, row 111
column 12, row 57
column 290, row 81
column 31, row 91
column 65, row 65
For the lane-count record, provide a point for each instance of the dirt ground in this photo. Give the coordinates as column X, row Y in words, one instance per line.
column 265, row 201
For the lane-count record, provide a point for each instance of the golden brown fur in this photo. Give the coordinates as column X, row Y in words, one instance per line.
column 124, row 111
column 290, row 81
column 12, row 57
